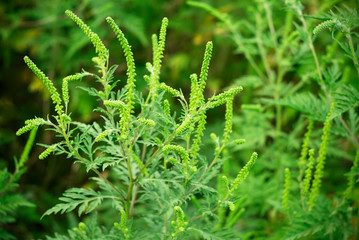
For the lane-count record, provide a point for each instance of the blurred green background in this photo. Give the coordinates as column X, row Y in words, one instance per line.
column 41, row 30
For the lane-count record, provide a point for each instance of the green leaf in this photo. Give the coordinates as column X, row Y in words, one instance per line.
column 86, row 199
column 307, row 103
column 347, row 97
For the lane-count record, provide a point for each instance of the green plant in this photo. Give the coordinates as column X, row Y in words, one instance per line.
column 10, row 201
column 293, row 82
column 148, row 162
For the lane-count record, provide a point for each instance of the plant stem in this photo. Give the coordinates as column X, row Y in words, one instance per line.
column 351, row 45
column 262, row 50
column 354, row 139
column 270, row 24
column 207, row 169
column 152, row 156
column 83, row 160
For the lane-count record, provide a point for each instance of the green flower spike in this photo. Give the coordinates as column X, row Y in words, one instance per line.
column 304, row 152
column 229, row 118
column 123, row 225
column 30, row 124
column 47, row 152
column 125, row 115
column 324, row 25
column 185, row 124
column 114, row 103
column 169, row 89
column 180, row 224
column 103, row 135
column 242, row 175
column 319, row 170
column 166, row 107
column 308, row 173
column 285, row 201
column 55, row 96
column 131, row 70
column 182, row 152
column 194, row 93
column 65, row 85
column 220, row 99
column 147, row 122
column 158, row 49
column 198, row 101
column 101, row 50
column 204, row 70
column 351, row 178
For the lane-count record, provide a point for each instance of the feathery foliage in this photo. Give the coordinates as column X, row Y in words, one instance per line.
column 132, row 145
column 11, row 201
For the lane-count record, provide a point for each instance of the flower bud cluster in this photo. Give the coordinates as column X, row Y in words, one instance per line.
column 30, row 124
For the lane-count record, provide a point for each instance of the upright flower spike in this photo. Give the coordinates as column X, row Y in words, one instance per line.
column 131, row 70
column 242, row 175
column 351, row 178
column 158, row 48
column 285, row 201
column 229, row 118
column 204, row 70
column 162, row 39
column 308, row 173
column 101, row 50
column 154, row 48
column 123, row 225
column 55, row 96
column 197, row 140
column 319, row 170
column 180, row 224
column 193, row 94
column 198, row 101
column 304, row 152
column 166, row 107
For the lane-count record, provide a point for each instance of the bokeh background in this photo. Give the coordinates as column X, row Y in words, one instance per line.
column 41, row 30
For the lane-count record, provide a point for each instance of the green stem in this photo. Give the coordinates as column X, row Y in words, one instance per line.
column 62, row 131
column 207, row 169
column 270, row 24
column 351, row 45
column 152, row 156
column 262, row 50
column 354, row 138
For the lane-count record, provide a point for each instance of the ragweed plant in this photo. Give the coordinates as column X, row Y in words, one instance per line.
column 148, row 162
column 303, row 100
column 12, row 202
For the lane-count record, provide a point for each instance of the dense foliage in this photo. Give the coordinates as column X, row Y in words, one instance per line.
column 159, row 154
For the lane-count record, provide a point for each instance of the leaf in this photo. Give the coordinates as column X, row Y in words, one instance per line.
column 320, row 222
column 347, row 97
column 223, row 234
column 307, row 103
column 86, row 199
